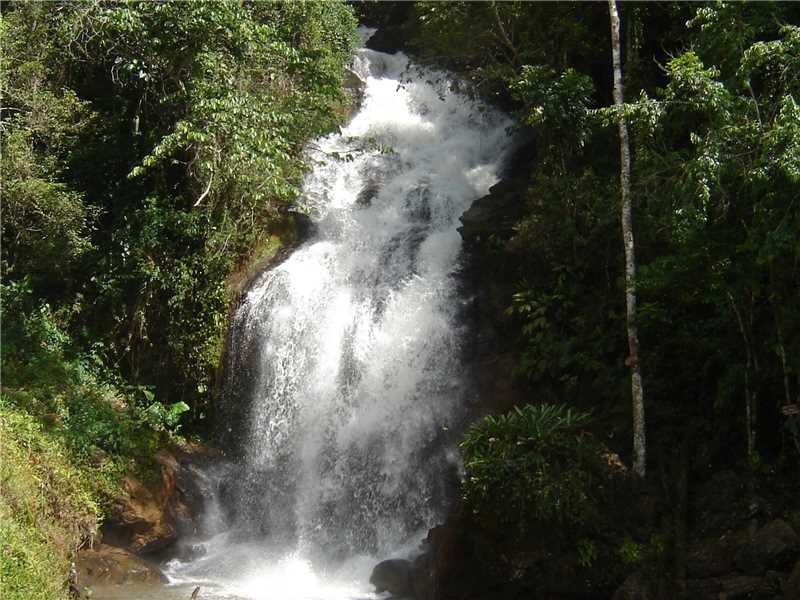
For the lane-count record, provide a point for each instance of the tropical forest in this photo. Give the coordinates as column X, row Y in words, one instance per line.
column 360, row 299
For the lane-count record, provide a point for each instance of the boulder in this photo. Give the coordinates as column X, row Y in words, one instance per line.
column 774, row 546
column 703, row 589
column 717, row 503
column 393, row 576
column 730, row 587
column 139, row 519
column 108, row 565
column 494, row 215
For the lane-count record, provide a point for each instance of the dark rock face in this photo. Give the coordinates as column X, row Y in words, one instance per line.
column 422, row 581
column 489, row 280
column 304, row 226
column 494, row 214
column 731, row 587
column 712, row 558
column 475, row 557
column 740, row 565
column 774, row 546
column 717, row 499
column 396, row 25
column 393, row 576
column 368, row 193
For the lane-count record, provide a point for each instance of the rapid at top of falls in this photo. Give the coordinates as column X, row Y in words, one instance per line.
column 347, row 354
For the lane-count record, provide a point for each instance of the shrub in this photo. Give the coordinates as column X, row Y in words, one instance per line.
column 533, row 464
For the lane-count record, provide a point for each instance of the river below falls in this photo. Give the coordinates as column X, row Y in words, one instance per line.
column 288, row 578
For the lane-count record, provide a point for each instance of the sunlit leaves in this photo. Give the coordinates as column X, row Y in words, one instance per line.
column 558, row 101
column 177, row 127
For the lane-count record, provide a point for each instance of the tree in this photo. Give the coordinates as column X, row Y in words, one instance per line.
column 637, row 392
column 152, row 149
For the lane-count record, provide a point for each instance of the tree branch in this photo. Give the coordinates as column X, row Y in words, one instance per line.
column 503, row 35
column 205, row 193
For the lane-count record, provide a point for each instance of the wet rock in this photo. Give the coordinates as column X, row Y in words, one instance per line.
column 149, row 516
column 368, row 193
column 417, row 205
column 447, row 562
column 422, row 582
column 393, row 576
column 487, row 230
column 494, row 215
column 111, row 565
column 354, row 87
column 774, row 546
column 304, row 226
column 396, row 25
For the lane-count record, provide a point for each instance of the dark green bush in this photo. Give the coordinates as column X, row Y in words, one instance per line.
column 533, row 464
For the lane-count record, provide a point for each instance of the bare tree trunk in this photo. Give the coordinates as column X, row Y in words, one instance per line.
column 637, row 392
column 749, row 395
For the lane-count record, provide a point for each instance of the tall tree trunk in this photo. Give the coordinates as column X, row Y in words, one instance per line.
column 750, row 404
column 637, row 391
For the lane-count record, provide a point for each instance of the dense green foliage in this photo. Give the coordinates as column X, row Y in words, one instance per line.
column 712, row 108
column 70, row 430
column 151, row 151
column 530, row 466
column 712, row 102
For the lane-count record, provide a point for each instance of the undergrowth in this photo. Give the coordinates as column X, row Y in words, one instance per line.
column 69, row 431
column 47, row 508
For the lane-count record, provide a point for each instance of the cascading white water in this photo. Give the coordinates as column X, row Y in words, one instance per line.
column 348, row 351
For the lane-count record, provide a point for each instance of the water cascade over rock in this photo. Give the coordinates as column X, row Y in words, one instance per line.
column 344, row 363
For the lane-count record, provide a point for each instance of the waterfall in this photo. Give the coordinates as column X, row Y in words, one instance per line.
column 345, row 358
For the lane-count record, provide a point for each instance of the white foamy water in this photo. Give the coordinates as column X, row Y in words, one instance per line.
column 346, row 355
